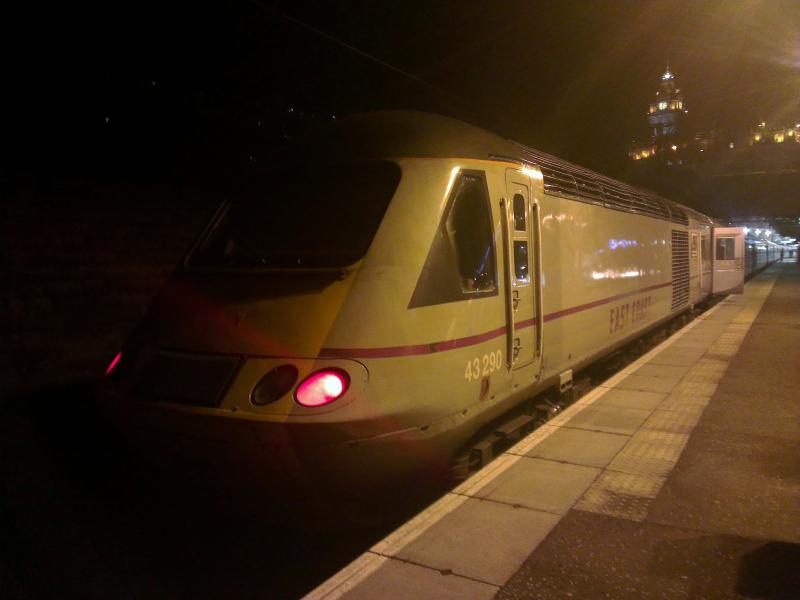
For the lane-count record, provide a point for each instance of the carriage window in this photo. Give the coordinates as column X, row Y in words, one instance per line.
column 519, row 212
column 469, row 228
column 725, row 248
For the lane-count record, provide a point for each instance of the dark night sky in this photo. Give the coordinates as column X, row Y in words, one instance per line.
column 98, row 88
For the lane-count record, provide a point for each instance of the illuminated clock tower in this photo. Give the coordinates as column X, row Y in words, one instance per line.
column 666, row 112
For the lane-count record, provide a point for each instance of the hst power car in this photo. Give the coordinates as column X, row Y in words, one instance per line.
column 392, row 287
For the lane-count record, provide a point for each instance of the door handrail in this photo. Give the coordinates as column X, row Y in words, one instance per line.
column 508, row 283
column 537, row 248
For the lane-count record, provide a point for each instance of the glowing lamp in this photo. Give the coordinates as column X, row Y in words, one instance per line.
column 112, row 365
column 322, row 387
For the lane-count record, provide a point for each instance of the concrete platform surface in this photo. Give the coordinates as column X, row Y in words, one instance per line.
column 679, row 477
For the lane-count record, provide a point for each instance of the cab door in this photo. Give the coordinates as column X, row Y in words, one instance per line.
column 520, row 229
column 728, row 260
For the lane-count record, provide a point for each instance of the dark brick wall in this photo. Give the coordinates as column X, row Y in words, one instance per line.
column 79, row 265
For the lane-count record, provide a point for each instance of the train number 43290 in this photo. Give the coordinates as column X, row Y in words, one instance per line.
column 481, row 366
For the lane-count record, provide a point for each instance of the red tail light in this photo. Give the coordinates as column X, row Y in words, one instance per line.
column 322, row 387
column 113, row 364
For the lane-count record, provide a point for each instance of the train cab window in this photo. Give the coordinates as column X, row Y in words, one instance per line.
column 469, row 227
column 725, row 248
column 295, row 220
column 519, row 213
column 461, row 263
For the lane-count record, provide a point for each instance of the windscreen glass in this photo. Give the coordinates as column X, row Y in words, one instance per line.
column 308, row 218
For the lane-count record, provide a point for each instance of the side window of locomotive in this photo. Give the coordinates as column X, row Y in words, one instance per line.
column 705, row 245
column 469, row 227
column 461, row 259
column 725, row 248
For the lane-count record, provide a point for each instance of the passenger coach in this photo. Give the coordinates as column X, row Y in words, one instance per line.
column 392, row 287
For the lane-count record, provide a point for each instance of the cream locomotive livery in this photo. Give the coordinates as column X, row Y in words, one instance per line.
column 395, row 285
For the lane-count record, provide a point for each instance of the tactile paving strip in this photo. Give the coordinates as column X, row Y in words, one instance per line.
column 613, row 504
column 673, row 421
column 695, row 388
column 623, row 495
column 707, row 370
column 651, row 453
column 685, row 403
column 727, row 345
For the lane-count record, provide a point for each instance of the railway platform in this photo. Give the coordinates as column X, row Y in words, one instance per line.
column 678, row 477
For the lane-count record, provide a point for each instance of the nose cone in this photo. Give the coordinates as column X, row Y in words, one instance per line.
column 268, row 314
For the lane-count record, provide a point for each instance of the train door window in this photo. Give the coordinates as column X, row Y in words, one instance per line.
column 705, row 246
column 521, row 271
column 521, row 261
column 725, row 248
column 469, row 227
column 519, row 213
column 695, row 240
